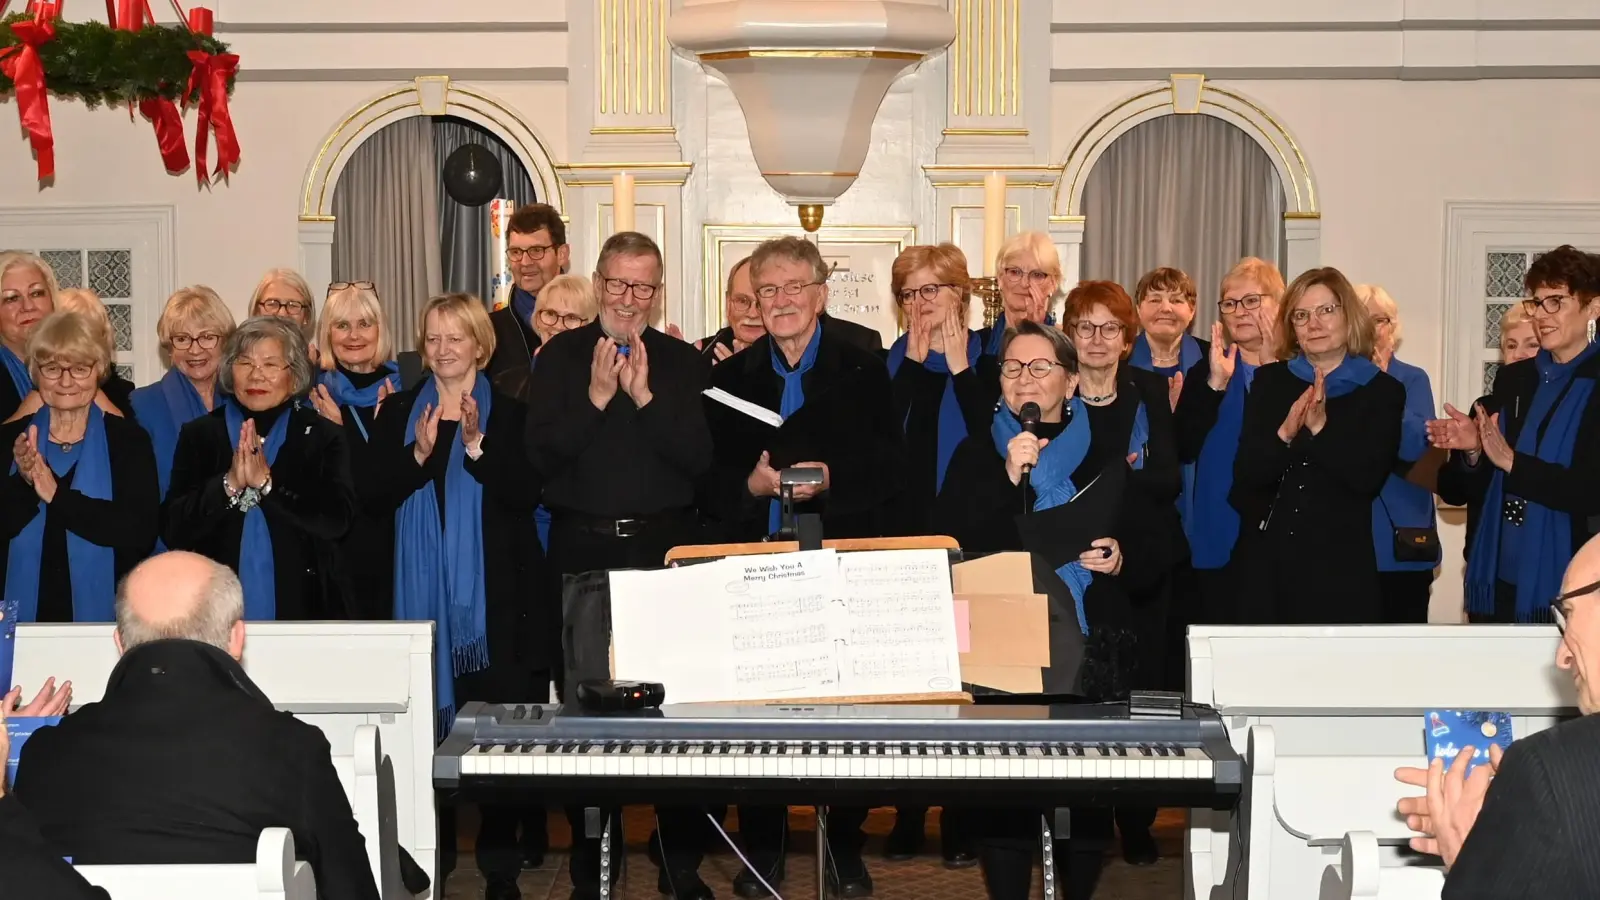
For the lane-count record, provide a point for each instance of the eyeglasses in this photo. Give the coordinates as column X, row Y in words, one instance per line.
column 273, row 307
column 1325, row 311
column 793, row 289
column 1382, row 320
column 346, row 285
column 52, row 371
column 270, row 368
column 208, row 340
column 1558, row 614
column 535, row 253
column 741, row 303
column 1109, row 331
column 926, row 292
column 1038, row 368
column 567, row 321
column 1013, row 273
column 1248, row 301
column 1550, row 303
column 616, row 287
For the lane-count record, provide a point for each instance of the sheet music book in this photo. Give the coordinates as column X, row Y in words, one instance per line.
column 1059, row 534
column 754, row 411
column 789, row 625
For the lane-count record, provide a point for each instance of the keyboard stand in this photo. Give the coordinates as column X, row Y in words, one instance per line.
column 605, row 857
column 822, row 851
column 1048, row 856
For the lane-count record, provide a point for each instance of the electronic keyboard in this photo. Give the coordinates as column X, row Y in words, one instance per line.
column 992, row 755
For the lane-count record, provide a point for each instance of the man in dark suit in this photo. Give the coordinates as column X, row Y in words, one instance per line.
column 1525, row 825
column 867, row 339
column 536, row 252
column 184, row 760
column 742, row 314
column 838, row 416
column 28, row 865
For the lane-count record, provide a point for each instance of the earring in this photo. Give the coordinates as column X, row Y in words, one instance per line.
column 1591, row 331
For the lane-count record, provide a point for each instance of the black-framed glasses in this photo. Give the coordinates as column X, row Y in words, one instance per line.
column 1558, row 613
column 1038, row 368
column 208, row 340
column 927, row 292
column 346, row 285
column 1302, row 316
column 535, row 253
column 273, row 306
column 616, row 287
column 568, row 321
column 1109, row 331
column 793, row 289
column 1550, row 303
column 1248, row 301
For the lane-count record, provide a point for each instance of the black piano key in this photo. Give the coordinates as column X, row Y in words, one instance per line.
column 1144, row 750
column 1119, row 750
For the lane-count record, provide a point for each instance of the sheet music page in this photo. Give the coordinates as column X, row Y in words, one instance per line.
column 899, row 629
column 779, row 613
column 665, row 626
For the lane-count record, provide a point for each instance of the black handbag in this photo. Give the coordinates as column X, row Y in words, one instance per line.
column 1412, row 544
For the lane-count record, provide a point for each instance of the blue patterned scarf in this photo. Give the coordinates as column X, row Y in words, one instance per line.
column 1051, row 479
column 438, row 573
column 794, row 397
column 952, row 425
column 257, row 565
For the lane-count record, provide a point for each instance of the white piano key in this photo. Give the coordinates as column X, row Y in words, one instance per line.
column 1079, row 767
column 522, row 763
column 497, row 759
column 1030, row 766
column 858, row 767
column 741, row 766
column 469, row 762
column 902, row 767
column 1147, row 767
column 944, row 766
column 986, row 767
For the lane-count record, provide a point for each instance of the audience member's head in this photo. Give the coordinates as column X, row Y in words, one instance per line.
column 627, row 280
column 1577, row 615
column 284, row 293
column 536, row 246
column 1165, row 300
column 1386, row 330
column 1518, row 340
column 28, row 291
column 567, row 302
column 181, row 596
column 87, row 303
column 739, row 304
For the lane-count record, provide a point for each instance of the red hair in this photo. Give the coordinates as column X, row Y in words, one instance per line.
column 1113, row 297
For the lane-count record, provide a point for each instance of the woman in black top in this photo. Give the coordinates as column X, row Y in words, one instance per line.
column 262, row 483
column 1321, row 434
column 447, row 460
column 979, row 505
column 79, row 509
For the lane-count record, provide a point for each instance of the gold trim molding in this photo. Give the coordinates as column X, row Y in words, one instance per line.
column 635, row 61
column 633, row 129
column 630, row 166
column 1302, row 215
column 810, row 174
column 986, row 58
column 986, row 132
column 777, row 53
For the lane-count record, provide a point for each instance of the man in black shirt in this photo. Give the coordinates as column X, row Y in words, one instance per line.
column 617, row 430
column 536, row 252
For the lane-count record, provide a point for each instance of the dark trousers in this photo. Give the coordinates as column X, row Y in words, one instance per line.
column 499, row 850
column 1405, row 596
column 575, row 549
column 1010, row 840
column 764, row 831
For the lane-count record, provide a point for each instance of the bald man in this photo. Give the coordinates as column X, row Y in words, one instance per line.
column 1533, row 829
column 184, row 760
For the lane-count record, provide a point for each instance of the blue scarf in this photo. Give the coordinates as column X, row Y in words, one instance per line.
column 1215, row 523
column 353, row 398
column 1188, row 355
column 1543, row 543
column 257, row 567
column 438, row 573
column 952, row 425
column 1052, row 480
column 995, row 334
column 92, row 567
column 522, row 304
column 18, row 370
column 1349, row 374
column 162, row 409
column 794, row 397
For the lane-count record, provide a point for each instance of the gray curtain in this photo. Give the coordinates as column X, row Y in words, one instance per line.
column 465, row 239
column 386, row 226
column 1191, row 191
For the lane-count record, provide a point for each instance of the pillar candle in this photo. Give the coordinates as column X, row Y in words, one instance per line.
column 622, row 203
column 994, row 218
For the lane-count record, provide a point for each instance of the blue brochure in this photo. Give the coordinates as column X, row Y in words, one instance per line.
column 20, row 729
column 8, row 647
column 1448, row 730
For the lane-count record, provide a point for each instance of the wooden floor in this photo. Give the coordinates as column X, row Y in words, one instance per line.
column 923, row 878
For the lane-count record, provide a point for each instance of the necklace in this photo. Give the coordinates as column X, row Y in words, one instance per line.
column 66, row 446
column 1100, row 400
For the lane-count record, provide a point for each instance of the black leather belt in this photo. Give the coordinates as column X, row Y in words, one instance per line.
column 622, row 528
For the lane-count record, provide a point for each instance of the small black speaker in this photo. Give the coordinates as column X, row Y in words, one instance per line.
column 620, row 696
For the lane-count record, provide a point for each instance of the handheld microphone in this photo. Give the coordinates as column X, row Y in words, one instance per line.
column 1029, row 417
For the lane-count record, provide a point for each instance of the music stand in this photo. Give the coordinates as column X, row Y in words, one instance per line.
column 806, row 529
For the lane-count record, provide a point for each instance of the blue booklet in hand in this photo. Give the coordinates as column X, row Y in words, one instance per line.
column 20, row 729
column 1449, row 730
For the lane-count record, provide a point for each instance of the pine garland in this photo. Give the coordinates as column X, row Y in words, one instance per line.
column 97, row 64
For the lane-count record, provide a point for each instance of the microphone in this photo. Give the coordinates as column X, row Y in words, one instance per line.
column 1029, row 416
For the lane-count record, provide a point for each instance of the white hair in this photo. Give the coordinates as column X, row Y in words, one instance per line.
column 1379, row 303
column 220, row 604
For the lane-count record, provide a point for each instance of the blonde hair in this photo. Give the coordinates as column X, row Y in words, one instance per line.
column 1358, row 328
column 1033, row 243
column 11, row 259
column 68, row 335
column 349, row 304
column 1378, row 302
column 468, row 311
column 1259, row 272
column 195, row 304
column 578, row 290
column 297, row 284
column 1516, row 315
column 87, row 303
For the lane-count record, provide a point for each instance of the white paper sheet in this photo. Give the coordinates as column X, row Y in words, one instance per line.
column 754, row 411
column 900, row 630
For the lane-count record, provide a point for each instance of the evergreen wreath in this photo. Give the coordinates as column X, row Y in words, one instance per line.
column 99, row 65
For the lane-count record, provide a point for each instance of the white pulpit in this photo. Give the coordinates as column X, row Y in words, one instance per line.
column 334, row 675
column 1323, row 716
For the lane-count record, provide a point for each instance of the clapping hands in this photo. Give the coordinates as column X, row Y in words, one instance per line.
column 31, row 464
column 1446, row 813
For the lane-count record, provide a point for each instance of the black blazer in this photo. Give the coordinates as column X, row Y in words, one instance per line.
column 9, row 398
column 918, row 397
column 185, row 761
column 1148, row 528
column 1197, row 410
column 1534, row 837
column 867, row 339
column 311, row 506
column 1574, row 490
column 847, row 422
column 365, row 555
column 1305, row 552
column 127, row 522
column 514, row 343
column 523, row 622
column 31, row 867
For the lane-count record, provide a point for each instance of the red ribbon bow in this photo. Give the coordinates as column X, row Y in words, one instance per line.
column 21, row 64
column 131, row 15
column 210, row 78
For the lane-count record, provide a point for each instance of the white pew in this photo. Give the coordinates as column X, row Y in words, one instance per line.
column 334, row 675
column 1323, row 716
column 275, row 875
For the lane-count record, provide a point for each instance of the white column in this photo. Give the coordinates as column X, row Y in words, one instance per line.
column 1304, row 233
column 1066, row 232
column 316, row 252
